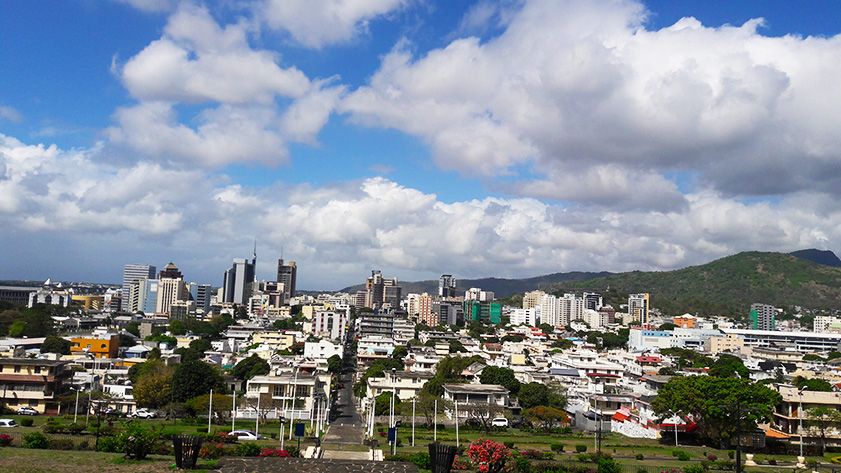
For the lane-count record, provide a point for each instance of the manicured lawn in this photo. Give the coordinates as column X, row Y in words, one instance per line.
column 22, row 460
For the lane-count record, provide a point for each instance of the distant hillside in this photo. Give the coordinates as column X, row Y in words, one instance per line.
column 727, row 286
column 500, row 287
column 825, row 257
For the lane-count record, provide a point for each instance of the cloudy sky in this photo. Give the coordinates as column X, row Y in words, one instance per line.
column 420, row 137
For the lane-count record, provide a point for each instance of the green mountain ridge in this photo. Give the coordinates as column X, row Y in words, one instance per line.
column 726, row 286
column 501, row 287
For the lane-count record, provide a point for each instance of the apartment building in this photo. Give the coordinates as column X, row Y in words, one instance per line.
column 34, row 383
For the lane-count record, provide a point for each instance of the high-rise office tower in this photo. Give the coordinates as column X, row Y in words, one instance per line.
column 171, row 288
column 592, row 301
column 286, row 274
column 762, row 316
column 238, row 281
column 132, row 272
column 638, row 308
column 447, row 286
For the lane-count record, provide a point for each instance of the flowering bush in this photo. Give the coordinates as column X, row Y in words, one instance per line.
column 712, row 458
column 138, row 442
column 211, row 451
column 273, row 452
column 5, row 440
column 489, row 456
column 459, row 464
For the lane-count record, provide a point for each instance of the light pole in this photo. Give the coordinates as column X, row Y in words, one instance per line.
column 801, row 459
column 76, row 412
column 676, row 415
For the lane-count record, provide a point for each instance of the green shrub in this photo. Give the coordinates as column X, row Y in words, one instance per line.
column 683, row 456
column 83, row 445
column 694, row 468
column 52, row 427
column 27, row 422
column 642, row 470
column 61, row 444
column 675, row 453
column 580, row 448
column 557, row 447
column 76, row 429
column 640, row 456
column 138, row 442
column 247, row 449
column 608, row 465
column 583, row 457
column 36, row 440
column 731, row 454
column 509, row 443
column 109, row 445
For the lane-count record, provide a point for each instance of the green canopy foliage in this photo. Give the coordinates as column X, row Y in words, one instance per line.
column 719, row 405
column 502, row 376
column 539, row 394
column 53, row 344
column 250, row 367
column 195, row 378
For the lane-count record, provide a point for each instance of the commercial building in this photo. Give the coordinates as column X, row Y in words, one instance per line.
column 238, row 281
column 287, row 275
column 638, row 306
column 133, row 272
column 171, row 288
column 99, row 346
column 446, row 286
column 483, row 311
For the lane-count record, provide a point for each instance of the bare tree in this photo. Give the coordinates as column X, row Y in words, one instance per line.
column 484, row 412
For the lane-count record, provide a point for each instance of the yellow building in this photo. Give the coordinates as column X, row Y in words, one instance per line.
column 103, row 346
column 731, row 342
column 90, row 302
column 275, row 339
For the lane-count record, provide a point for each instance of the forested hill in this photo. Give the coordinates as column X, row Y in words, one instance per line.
column 727, row 286
column 501, row 287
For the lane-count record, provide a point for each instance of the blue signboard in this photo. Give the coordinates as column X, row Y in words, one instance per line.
column 392, row 434
column 299, row 429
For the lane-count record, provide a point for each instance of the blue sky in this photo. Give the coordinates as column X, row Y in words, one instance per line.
column 476, row 138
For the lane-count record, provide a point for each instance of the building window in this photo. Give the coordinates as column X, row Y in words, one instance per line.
column 279, row 391
column 103, row 346
column 17, row 368
column 37, row 370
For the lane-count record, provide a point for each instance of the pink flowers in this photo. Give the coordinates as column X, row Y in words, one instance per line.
column 273, row 452
column 5, row 440
column 489, row 456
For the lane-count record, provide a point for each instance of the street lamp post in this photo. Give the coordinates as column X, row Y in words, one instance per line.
column 801, row 459
column 76, row 412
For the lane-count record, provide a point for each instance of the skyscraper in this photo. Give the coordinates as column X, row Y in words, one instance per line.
column 638, row 308
column 132, row 272
column 286, row 274
column 171, row 288
column 447, row 286
column 238, row 281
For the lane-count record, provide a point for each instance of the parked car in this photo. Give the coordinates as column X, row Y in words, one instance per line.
column 8, row 423
column 27, row 411
column 144, row 414
column 112, row 412
column 521, row 423
column 499, row 422
column 245, row 435
column 472, row 423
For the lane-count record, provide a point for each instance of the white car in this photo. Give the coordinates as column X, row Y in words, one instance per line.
column 500, row 422
column 245, row 435
column 8, row 423
column 144, row 414
column 27, row 411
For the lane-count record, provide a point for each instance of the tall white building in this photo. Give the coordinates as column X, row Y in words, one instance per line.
column 549, row 313
column 524, row 317
column 132, row 272
column 171, row 288
column 638, row 308
column 570, row 308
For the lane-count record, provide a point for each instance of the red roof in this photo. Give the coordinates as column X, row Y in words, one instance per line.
column 620, row 416
column 649, row 359
column 603, row 374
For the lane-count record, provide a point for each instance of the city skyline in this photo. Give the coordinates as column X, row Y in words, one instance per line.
column 510, row 139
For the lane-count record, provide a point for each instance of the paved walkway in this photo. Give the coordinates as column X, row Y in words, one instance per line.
column 273, row 465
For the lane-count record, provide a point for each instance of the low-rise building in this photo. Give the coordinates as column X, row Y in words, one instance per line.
column 104, row 345
column 34, row 383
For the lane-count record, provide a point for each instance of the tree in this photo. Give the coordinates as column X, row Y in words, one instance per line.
column 457, row 347
column 154, row 391
column 250, row 367
column 538, row 394
column 383, row 406
column 728, row 366
column 484, row 412
column 824, row 419
column 201, row 345
column 53, row 344
column 425, row 404
column 546, row 417
column 502, row 376
column 720, row 406
column 133, row 328
column 127, row 340
column 177, row 327
column 666, row 327
column 148, row 367
column 399, row 353
column 297, row 348
column 562, row 343
column 199, row 405
column 195, row 378
column 334, row 364
column 812, row 384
